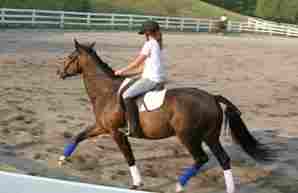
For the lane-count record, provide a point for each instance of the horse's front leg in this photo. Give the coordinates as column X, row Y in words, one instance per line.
column 89, row 132
column 124, row 145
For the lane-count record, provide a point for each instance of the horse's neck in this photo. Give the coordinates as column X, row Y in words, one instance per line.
column 100, row 86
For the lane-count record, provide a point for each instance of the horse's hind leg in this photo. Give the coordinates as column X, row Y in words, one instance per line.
column 225, row 163
column 194, row 146
column 89, row 132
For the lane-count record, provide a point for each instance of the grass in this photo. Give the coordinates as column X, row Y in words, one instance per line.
column 202, row 9
column 185, row 8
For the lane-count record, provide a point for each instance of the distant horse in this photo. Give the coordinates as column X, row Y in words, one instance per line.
column 193, row 115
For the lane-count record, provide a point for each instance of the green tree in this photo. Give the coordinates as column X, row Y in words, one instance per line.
column 250, row 7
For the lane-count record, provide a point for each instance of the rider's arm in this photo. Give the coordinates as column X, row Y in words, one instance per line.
column 135, row 71
column 134, row 67
column 138, row 63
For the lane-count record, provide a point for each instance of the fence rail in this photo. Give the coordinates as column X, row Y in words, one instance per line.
column 65, row 19
column 272, row 28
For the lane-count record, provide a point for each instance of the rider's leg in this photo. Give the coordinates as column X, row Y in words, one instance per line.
column 132, row 116
column 139, row 87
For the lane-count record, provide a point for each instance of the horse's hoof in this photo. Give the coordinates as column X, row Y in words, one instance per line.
column 133, row 187
column 136, row 187
column 61, row 161
column 179, row 188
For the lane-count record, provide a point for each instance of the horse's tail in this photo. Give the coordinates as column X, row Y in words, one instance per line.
column 240, row 133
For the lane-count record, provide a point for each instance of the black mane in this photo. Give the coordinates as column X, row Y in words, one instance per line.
column 100, row 63
column 104, row 66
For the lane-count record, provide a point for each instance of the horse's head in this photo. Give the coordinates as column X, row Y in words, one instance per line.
column 76, row 61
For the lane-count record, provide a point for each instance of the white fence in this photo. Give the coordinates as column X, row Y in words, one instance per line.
column 273, row 28
column 65, row 19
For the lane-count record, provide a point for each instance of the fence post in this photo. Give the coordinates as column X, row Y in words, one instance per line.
column 62, row 19
column 256, row 26
column 288, row 32
column 2, row 16
column 112, row 21
column 240, row 27
column 33, row 17
column 167, row 23
column 130, row 23
column 230, row 26
column 88, row 19
column 271, row 30
column 182, row 24
column 249, row 25
column 210, row 26
column 198, row 26
column 264, row 26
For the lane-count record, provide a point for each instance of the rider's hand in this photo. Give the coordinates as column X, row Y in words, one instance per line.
column 119, row 72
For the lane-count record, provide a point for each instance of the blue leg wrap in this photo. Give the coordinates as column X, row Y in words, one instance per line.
column 187, row 174
column 69, row 149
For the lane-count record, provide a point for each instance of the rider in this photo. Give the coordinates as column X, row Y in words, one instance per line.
column 150, row 65
column 223, row 22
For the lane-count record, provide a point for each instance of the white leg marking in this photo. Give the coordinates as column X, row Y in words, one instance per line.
column 229, row 181
column 136, row 176
column 61, row 160
column 179, row 188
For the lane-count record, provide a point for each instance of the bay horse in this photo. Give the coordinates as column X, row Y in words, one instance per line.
column 191, row 114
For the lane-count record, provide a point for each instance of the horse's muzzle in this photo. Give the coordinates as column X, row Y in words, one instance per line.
column 61, row 74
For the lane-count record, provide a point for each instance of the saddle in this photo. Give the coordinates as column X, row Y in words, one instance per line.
column 149, row 101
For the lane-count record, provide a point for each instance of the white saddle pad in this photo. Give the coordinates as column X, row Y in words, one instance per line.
column 152, row 100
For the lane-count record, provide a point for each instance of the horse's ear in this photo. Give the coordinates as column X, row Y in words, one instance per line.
column 77, row 44
column 92, row 45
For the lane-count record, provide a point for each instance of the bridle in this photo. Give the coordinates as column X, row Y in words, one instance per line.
column 75, row 56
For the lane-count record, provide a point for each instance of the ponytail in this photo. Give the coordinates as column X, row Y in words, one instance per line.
column 159, row 39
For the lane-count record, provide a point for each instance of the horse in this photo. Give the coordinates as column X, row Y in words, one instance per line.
column 191, row 114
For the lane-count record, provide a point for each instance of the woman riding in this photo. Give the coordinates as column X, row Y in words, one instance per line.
column 150, row 65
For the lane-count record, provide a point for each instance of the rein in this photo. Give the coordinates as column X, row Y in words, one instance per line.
column 104, row 76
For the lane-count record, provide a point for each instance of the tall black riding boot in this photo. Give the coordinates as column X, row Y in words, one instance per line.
column 133, row 118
